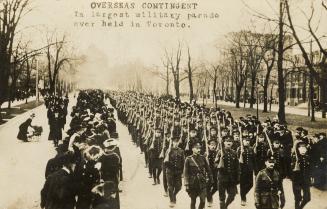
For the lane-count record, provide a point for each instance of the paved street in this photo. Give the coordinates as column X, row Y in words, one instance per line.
column 22, row 173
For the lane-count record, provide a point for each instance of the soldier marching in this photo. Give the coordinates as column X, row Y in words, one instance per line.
column 206, row 150
column 231, row 152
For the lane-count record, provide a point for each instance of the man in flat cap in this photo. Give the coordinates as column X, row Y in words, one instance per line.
column 174, row 164
column 301, row 174
column 269, row 192
column 197, row 175
column 228, row 172
column 246, row 158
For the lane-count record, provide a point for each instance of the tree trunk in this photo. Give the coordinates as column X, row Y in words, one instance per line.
column 167, row 81
column 304, row 88
column 311, row 98
column 271, row 97
column 253, row 85
column 176, row 84
column 237, row 96
column 265, row 98
column 323, row 89
column 191, row 86
column 245, row 88
column 280, row 53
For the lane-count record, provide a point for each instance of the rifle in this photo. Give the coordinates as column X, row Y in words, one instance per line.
column 241, row 144
column 187, row 147
column 153, row 138
column 230, row 126
column 221, row 163
column 269, row 142
column 164, row 143
column 170, row 142
column 205, row 134
column 256, row 140
column 297, row 164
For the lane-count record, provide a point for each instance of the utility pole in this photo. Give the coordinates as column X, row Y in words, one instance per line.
column 37, row 82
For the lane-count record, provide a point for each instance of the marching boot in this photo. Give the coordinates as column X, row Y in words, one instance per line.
column 154, row 181
column 222, row 205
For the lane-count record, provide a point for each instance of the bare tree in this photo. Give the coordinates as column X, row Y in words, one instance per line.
column 213, row 72
column 11, row 12
column 57, row 56
column 237, row 61
column 174, row 59
column 190, row 70
column 269, row 60
column 320, row 78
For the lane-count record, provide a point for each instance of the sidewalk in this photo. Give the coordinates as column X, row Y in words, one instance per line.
column 274, row 108
column 15, row 103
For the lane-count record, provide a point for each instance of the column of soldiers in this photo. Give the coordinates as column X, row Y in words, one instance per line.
column 87, row 169
column 214, row 152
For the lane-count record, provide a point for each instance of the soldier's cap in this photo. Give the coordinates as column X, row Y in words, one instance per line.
column 275, row 140
column 261, row 135
column 110, row 143
column 175, row 137
column 158, row 129
column 246, row 138
column 196, row 145
column 213, row 128
column 322, row 134
column 212, row 141
column 236, row 132
column 177, row 120
column 228, row 139
column 192, row 127
column 300, row 143
column 300, row 129
column 271, row 159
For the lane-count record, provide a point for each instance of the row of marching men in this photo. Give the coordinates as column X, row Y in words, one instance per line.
column 213, row 152
column 87, row 169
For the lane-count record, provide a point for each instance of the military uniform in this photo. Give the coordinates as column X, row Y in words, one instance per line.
column 301, row 179
column 197, row 175
column 246, row 171
column 268, row 184
column 174, row 169
column 228, row 176
column 212, row 188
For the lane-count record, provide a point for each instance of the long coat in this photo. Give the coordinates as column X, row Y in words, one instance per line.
column 59, row 191
column 22, row 134
column 266, row 189
column 197, row 173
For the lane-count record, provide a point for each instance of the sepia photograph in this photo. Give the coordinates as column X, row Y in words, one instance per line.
column 160, row 104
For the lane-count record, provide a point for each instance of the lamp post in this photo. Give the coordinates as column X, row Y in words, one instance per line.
column 36, row 81
column 257, row 92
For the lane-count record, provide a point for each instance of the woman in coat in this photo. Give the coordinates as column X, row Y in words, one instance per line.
column 23, row 128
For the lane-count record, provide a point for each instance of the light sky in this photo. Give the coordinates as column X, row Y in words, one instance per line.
column 126, row 45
